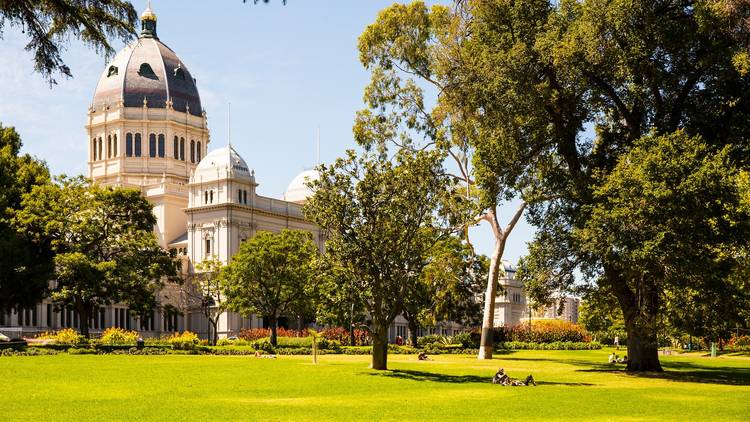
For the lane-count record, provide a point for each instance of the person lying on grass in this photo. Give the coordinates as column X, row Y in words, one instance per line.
column 503, row 379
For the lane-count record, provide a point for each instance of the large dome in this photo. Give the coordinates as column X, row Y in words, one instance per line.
column 148, row 69
column 298, row 191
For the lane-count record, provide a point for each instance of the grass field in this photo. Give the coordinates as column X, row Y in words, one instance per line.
column 573, row 385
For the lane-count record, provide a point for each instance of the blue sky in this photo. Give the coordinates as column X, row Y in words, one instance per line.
column 286, row 70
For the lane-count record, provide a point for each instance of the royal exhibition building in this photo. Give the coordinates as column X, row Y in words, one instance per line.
column 146, row 129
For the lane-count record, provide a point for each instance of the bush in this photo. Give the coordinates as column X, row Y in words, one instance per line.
column 340, row 334
column 560, row 345
column 184, row 341
column 82, row 351
column 31, row 351
column 432, row 339
column 118, row 336
column 356, row 350
column 251, row 334
column 466, row 340
column 263, row 345
column 66, row 336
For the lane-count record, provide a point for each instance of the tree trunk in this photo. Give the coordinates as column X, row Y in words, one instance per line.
column 413, row 328
column 380, row 348
column 273, row 321
column 83, row 319
column 214, row 337
column 643, row 348
column 486, row 342
column 640, row 314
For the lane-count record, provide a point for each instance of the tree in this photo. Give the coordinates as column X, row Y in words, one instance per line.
column 339, row 301
column 50, row 24
column 104, row 245
column 449, row 287
column 412, row 46
column 25, row 266
column 532, row 76
column 204, row 289
column 380, row 217
column 271, row 275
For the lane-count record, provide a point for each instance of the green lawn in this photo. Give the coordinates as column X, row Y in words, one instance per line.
column 573, row 385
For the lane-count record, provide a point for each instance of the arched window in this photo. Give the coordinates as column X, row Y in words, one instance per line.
column 161, row 145
column 182, row 149
column 137, row 145
column 198, row 151
column 211, row 195
column 192, row 151
column 109, row 146
column 112, row 71
column 114, row 146
column 129, row 144
column 208, row 247
column 145, row 70
column 176, row 148
column 152, row 145
column 205, row 197
column 100, row 148
column 239, row 195
column 93, row 149
column 244, row 195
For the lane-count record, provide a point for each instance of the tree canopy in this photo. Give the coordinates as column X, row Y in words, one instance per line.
column 380, row 217
column 104, row 244
column 272, row 275
column 25, row 265
column 51, row 24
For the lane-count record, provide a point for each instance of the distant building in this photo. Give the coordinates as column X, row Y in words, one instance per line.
column 511, row 305
column 569, row 310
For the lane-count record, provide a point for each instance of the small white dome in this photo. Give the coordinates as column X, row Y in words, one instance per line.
column 221, row 163
column 298, row 191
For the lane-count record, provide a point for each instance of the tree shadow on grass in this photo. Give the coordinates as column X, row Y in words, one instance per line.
column 457, row 379
column 431, row 376
column 687, row 372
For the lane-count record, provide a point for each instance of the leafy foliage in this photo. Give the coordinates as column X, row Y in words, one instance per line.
column 272, row 275
column 25, row 265
column 118, row 336
column 50, row 24
column 105, row 248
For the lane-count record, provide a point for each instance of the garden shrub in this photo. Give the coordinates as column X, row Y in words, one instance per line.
column 82, row 351
column 263, row 345
column 356, row 350
column 559, row 345
column 340, row 334
column 183, row 341
column 118, row 336
column 431, row 339
column 30, row 351
column 465, row 340
column 65, row 336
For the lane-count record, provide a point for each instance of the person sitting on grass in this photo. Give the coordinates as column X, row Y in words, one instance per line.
column 623, row 359
column 422, row 356
column 612, row 358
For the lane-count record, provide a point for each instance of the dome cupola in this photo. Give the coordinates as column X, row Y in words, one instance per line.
column 148, row 73
column 148, row 23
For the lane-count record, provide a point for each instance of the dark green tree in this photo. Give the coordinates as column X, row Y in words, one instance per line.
column 25, row 265
column 272, row 275
column 449, row 287
column 105, row 248
column 339, row 302
column 50, row 25
column 380, row 217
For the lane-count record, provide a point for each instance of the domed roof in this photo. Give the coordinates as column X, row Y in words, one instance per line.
column 148, row 69
column 298, row 191
column 219, row 163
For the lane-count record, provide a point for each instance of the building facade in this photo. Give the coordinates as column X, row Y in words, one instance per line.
column 146, row 129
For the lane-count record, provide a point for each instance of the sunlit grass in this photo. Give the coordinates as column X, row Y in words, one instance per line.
column 573, row 385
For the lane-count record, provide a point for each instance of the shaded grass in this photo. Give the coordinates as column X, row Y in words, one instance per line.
column 572, row 385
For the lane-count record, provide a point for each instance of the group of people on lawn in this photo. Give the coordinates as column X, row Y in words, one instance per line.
column 614, row 359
